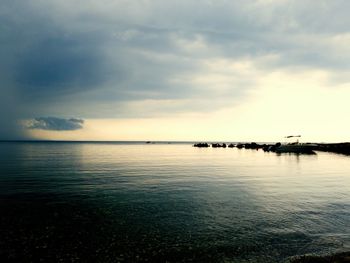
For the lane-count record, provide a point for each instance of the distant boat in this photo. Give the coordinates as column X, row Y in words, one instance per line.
column 295, row 147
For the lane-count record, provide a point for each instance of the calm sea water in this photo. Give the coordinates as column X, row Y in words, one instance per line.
column 110, row 202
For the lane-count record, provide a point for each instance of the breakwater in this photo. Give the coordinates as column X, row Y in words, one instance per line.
column 342, row 148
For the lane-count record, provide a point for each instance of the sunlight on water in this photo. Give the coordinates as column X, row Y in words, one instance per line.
column 137, row 202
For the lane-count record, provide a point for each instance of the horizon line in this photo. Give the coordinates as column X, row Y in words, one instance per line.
column 147, row 141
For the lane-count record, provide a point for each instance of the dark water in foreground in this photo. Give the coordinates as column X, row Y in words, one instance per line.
column 103, row 202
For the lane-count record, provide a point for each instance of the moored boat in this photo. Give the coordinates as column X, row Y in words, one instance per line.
column 295, row 147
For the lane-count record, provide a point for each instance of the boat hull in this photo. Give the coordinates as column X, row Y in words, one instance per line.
column 295, row 148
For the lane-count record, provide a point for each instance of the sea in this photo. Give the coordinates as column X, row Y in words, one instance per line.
column 169, row 202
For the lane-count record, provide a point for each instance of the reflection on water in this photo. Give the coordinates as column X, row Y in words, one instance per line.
column 105, row 202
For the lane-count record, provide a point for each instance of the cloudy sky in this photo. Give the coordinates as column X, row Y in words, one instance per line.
column 175, row 70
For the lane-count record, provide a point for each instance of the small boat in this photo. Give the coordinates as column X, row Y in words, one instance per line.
column 295, row 147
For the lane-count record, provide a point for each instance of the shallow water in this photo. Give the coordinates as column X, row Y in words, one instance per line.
column 110, row 202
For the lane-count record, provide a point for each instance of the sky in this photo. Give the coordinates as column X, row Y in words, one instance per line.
column 238, row 70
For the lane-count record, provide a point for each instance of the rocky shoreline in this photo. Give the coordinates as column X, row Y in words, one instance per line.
column 342, row 148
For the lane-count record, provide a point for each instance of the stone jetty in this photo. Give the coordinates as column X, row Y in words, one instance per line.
column 201, row 145
column 342, row 148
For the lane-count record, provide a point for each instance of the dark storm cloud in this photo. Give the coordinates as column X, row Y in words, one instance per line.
column 10, row 114
column 56, row 124
column 91, row 58
column 48, row 62
column 55, row 65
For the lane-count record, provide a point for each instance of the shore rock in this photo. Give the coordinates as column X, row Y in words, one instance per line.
column 201, row 145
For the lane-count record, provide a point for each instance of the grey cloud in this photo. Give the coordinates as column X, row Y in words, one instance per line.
column 56, row 124
column 55, row 65
column 62, row 58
